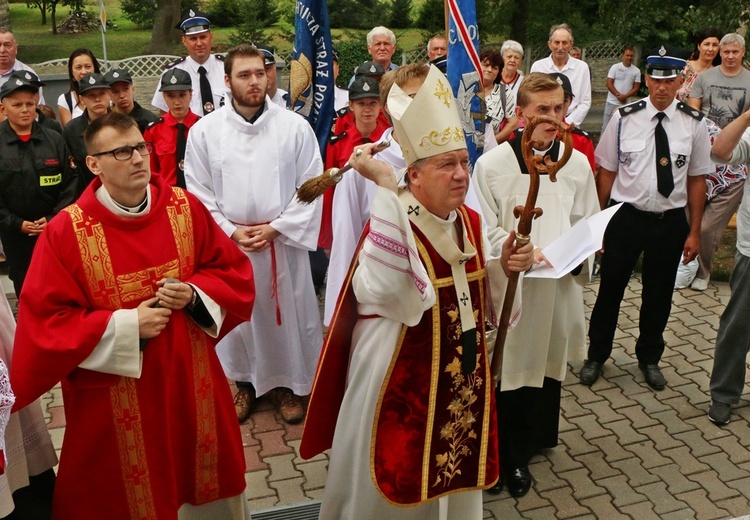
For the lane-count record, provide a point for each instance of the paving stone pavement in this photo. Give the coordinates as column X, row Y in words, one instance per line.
column 625, row 451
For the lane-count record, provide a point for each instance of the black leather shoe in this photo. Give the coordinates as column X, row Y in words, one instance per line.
column 590, row 372
column 497, row 488
column 519, row 482
column 653, row 376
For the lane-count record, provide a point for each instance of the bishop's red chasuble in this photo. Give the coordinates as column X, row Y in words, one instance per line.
column 435, row 429
column 134, row 448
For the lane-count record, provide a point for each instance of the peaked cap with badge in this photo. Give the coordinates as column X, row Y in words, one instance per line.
column 194, row 22
column 372, row 69
column 118, row 75
column 364, row 87
column 92, row 81
column 175, row 79
column 20, row 79
column 564, row 82
column 427, row 124
column 666, row 62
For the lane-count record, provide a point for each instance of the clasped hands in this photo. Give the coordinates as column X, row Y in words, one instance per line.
column 154, row 313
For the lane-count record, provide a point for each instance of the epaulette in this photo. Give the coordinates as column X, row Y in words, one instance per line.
column 584, row 133
column 336, row 138
column 175, row 62
column 342, row 111
column 160, row 120
column 695, row 114
column 219, row 57
column 632, row 108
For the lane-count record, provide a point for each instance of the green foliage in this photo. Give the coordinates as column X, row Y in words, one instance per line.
column 431, row 16
column 76, row 6
column 400, row 11
column 251, row 28
column 233, row 13
column 141, row 12
column 344, row 13
column 351, row 55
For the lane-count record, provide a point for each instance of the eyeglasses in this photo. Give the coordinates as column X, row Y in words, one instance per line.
column 124, row 153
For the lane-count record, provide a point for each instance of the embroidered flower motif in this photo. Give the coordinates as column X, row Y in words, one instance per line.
column 458, row 432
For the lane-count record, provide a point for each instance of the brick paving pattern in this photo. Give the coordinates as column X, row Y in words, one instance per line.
column 625, row 451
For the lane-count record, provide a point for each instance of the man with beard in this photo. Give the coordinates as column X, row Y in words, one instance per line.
column 257, row 207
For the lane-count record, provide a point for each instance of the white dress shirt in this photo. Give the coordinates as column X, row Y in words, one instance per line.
column 627, row 147
column 215, row 72
column 580, row 81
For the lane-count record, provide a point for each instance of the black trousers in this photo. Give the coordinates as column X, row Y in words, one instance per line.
column 34, row 502
column 528, row 422
column 661, row 239
column 18, row 250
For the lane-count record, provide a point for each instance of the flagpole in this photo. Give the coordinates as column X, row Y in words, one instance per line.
column 446, row 18
column 103, row 19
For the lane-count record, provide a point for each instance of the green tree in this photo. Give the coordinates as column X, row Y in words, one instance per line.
column 431, row 16
column 251, row 28
column 344, row 13
column 400, row 14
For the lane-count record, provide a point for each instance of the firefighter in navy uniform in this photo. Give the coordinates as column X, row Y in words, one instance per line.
column 93, row 91
column 169, row 133
column 206, row 70
column 653, row 157
column 122, row 90
column 35, row 182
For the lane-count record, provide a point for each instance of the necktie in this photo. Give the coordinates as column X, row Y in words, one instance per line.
column 181, row 143
column 207, row 97
column 664, row 181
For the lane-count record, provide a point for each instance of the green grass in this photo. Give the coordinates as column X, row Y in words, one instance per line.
column 37, row 43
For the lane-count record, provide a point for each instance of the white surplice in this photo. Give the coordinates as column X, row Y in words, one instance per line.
column 28, row 446
column 390, row 286
column 551, row 330
column 247, row 174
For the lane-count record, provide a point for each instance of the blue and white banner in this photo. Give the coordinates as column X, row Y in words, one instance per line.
column 465, row 72
column 311, row 86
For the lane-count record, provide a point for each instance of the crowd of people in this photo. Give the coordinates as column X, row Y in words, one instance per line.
column 156, row 257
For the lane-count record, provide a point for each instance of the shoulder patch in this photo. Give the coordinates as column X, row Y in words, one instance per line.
column 152, row 123
column 632, row 108
column 342, row 111
column 336, row 138
column 219, row 57
column 695, row 114
column 175, row 62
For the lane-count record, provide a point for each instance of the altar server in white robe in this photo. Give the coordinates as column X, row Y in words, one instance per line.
column 553, row 332
column 244, row 161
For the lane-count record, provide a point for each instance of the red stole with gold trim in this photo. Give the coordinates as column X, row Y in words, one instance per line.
column 435, row 428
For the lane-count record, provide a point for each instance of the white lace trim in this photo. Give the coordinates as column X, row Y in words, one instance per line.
column 6, row 403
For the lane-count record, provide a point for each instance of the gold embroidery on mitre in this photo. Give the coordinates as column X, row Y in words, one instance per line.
column 443, row 93
column 447, row 136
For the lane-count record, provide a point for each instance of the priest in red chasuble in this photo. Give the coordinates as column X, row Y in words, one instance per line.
column 128, row 292
column 403, row 395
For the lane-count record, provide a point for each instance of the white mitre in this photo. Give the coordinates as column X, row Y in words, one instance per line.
column 427, row 124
